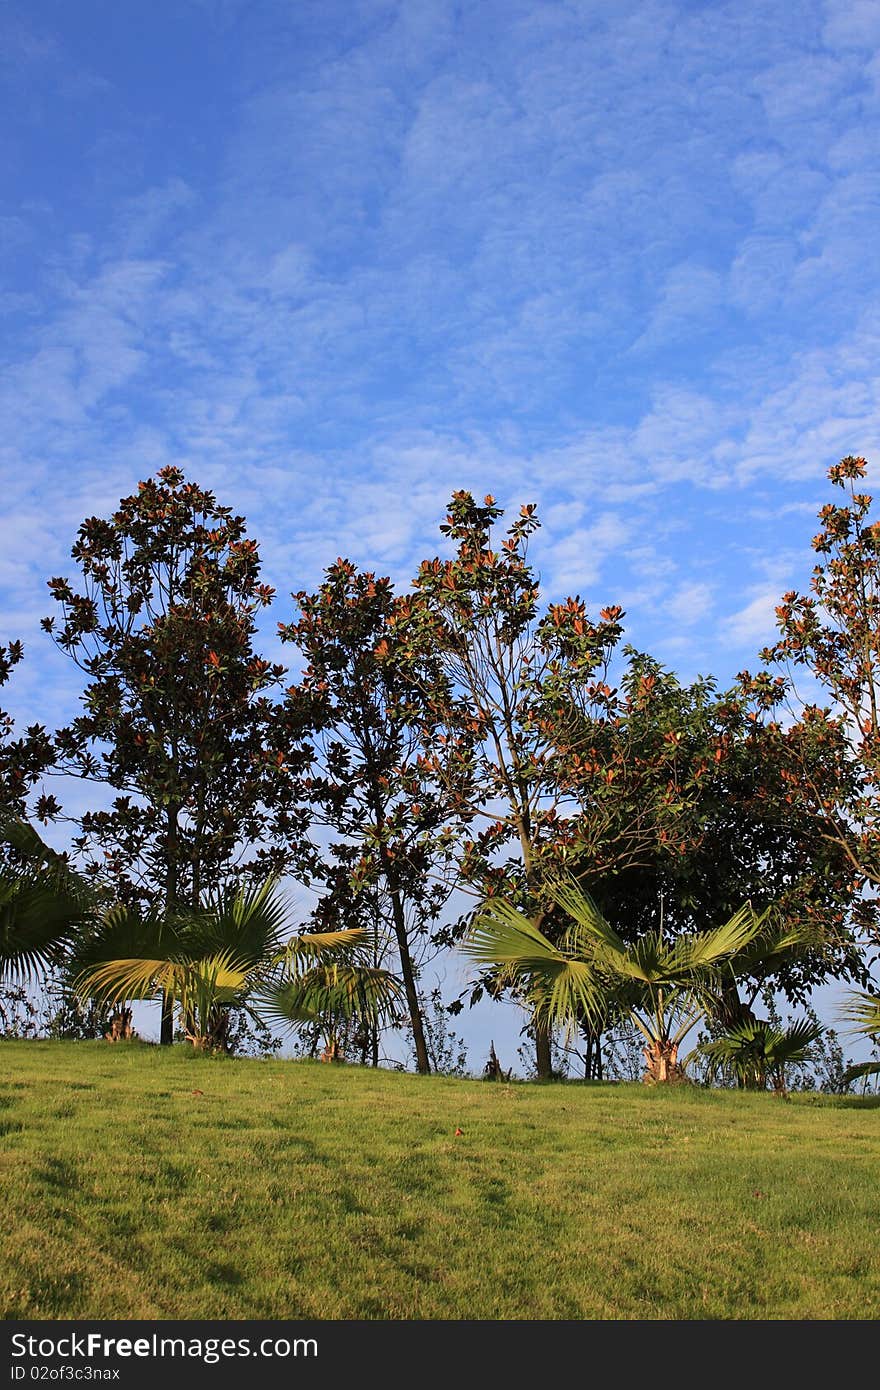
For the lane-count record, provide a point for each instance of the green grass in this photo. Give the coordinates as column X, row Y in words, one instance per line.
column 296, row 1190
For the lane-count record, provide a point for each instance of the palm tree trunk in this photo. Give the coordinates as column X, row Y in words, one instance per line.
column 661, row 1063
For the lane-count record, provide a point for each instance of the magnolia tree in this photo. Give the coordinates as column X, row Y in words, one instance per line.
column 477, row 615
column 176, row 718
column 830, row 754
column 356, row 712
column 23, row 759
column 684, row 810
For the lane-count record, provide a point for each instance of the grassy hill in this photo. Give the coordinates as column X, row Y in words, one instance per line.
column 147, row 1183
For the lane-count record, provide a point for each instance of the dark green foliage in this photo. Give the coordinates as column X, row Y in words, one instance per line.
column 685, row 807
column 756, row 1054
column 355, row 717
column 176, row 717
column 23, row 760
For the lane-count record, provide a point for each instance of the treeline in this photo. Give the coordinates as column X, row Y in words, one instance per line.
column 462, row 735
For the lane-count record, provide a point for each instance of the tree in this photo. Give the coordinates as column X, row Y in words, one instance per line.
column 364, row 777
column 756, row 1053
column 664, row 987
column 208, row 962
column 477, row 614
column 681, row 807
column 176, row 716
column 22, row 760
column 833, row 633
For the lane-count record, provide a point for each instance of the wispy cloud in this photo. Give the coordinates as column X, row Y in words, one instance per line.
column 609, row 260
column 754, row 625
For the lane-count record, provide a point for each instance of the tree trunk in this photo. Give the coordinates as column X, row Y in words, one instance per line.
column 166, row 1032
column 662, row 1064
column 423, row 1063
column 729, row 1010
column 543, row 1058
column 592, row 1054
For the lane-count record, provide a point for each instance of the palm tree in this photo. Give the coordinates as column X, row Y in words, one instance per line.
column 863, row 1011
column 755, row 1053
column 663, row 986
column 332, row 995
column 209, row 961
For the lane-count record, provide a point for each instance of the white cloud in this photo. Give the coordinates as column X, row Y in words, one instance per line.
column 755, row 624
column 575, row 560
column 800, row 88
column 851, row 24
column 688, row 298
column 689, row 604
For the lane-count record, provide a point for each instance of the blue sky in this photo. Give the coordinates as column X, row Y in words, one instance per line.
column 339, row 258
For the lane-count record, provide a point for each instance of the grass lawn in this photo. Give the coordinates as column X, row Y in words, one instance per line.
column 141, row 1182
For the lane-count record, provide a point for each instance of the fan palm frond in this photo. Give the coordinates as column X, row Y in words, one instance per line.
column 38, row 920
column 251, row 920
column 558, row 985
column 301, row 952
column 860, row 1069
column 701, row 950
column 664, row 986
column 589, row 925
column 863, row 1012
column 755, row 1052
column 340, row 989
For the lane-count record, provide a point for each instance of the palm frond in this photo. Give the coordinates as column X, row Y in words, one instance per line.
column 502, row 935
column 559, row 986
column 568, row 991
column 774, row 945
column 224, row 975
column 703, row 950
column 301, row 952
column 124, row 978
column 755, row 1050
column 38, row 920
column 645, row 961
column 122, row 932
column 253, row 921
column 580, row 907
column 338, row 989
column 863, row 1012
column 859, row 1069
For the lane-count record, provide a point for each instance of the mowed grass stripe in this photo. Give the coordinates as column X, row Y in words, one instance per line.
column 296, row 1190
